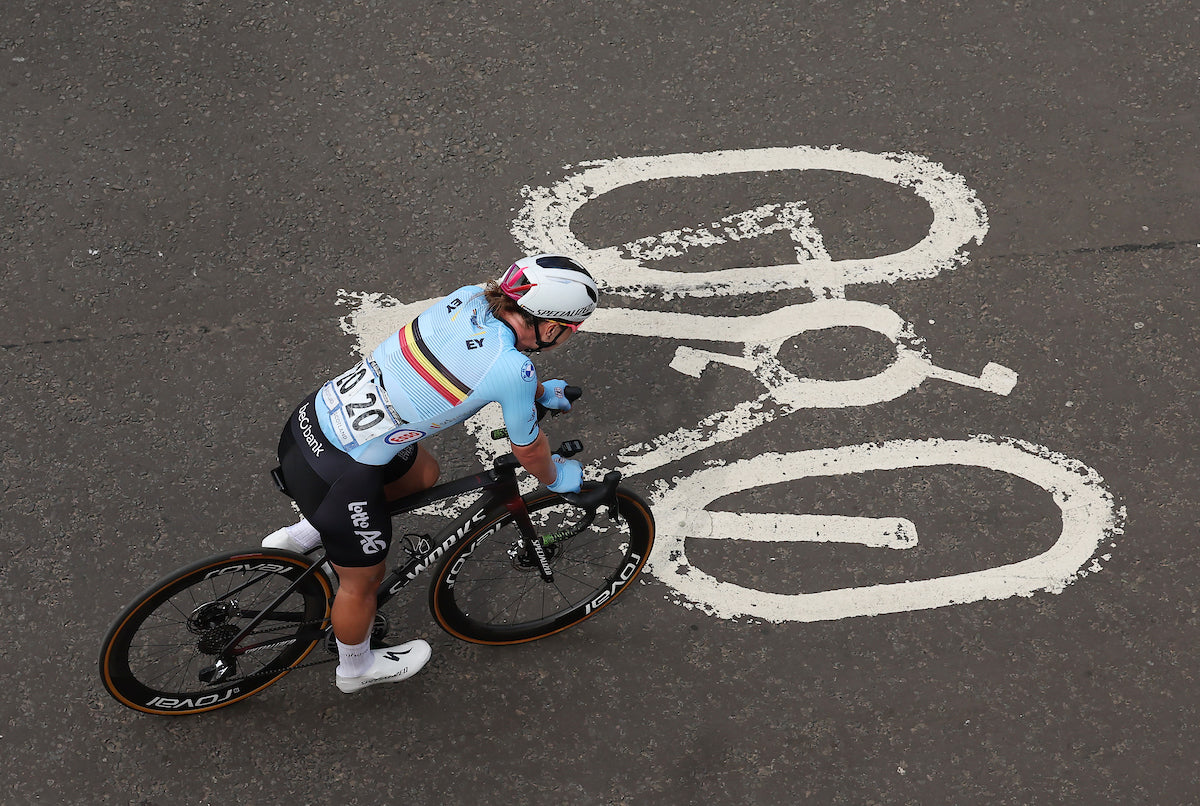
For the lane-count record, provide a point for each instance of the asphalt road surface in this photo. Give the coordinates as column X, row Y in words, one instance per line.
column 201, row 199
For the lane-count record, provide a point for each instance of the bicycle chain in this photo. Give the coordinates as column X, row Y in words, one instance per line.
column 269, row 671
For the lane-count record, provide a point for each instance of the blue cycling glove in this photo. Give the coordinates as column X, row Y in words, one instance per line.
column 553, row 396
column 570, row 475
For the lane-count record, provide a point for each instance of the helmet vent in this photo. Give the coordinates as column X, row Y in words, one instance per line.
column 560, row 262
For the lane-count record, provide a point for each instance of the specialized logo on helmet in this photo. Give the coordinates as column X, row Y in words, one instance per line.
column 571, row 314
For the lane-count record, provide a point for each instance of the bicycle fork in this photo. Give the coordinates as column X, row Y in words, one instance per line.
column 529, row 536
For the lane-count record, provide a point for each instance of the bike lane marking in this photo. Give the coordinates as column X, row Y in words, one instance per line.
column 544, row 223
column 958, row 219
column 763, row 336
column 883, row 533
column 793, row 218
column 1089, row 517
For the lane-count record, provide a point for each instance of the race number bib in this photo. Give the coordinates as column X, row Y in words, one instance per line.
column 359, row 409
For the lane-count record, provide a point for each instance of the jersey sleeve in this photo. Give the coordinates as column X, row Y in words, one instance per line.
column 512, row 382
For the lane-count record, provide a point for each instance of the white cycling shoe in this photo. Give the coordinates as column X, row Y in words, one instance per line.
column 390, row 665
column 280, row 539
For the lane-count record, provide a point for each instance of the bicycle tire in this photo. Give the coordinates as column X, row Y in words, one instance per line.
column 153, row 654
column 485, row 593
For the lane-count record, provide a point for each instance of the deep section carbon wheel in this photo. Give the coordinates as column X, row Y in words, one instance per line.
column 161, row 656
column 489, row 590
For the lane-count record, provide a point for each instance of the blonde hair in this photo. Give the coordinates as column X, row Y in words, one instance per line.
column 499, row 303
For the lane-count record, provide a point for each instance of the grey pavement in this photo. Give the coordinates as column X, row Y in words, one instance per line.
column 188, row 186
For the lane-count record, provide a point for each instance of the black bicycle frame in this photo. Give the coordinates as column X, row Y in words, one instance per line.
column 501, row 494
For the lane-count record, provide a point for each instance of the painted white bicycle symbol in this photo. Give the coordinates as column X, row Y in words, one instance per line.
column 1089, row 513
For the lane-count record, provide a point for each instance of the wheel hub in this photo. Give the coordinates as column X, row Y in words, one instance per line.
column 210, row 615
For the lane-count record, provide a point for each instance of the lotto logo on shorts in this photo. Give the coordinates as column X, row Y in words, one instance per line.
column 370, row 538
column 358, row 514
column 371, row 544
column 403, row 435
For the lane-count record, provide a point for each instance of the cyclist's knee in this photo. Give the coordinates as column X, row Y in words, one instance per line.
column 359, row 582
column 427, row 468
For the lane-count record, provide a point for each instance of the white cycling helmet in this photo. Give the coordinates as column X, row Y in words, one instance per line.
column 551, row 287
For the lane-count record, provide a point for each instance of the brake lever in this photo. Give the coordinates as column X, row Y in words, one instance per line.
column 596, row 494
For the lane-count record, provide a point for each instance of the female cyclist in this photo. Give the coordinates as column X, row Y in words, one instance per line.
column 353, row 445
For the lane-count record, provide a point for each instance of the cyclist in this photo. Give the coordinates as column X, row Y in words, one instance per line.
column 352, row 446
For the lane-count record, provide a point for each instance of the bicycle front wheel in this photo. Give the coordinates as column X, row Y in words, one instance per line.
column 160, row 656
column 489, row 591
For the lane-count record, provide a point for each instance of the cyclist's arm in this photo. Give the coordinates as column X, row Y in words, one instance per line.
column 535, row 457
column 514, row 385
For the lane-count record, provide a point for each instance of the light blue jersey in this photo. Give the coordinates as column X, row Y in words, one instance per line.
column 435, row 372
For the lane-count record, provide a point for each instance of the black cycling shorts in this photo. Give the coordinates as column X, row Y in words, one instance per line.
column 343, row 499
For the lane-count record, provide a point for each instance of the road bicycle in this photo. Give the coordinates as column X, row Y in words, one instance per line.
column 511, row 568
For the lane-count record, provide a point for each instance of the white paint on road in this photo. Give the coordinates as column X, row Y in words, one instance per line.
column 544, row 223
column 1089, row 516
column 775, row 391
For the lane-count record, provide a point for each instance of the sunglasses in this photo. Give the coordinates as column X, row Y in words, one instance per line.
column 572, row 326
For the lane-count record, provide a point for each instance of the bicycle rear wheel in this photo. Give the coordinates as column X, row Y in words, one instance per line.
column 161, row 650
column 488, row 591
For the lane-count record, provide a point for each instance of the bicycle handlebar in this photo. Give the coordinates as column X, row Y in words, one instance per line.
column 596, row 493
column 593, row 494
column 571, row 393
